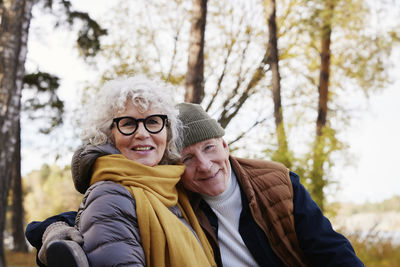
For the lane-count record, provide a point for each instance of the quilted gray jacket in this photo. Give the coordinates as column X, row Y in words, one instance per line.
column 107, row 215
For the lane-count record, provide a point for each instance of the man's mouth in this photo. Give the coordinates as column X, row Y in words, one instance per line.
column 209, row 177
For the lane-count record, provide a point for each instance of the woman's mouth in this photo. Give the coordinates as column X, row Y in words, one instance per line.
column 142, row 148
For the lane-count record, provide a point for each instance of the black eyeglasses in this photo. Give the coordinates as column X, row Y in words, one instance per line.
column 153, row 124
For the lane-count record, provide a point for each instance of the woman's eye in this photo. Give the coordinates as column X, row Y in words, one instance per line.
column 128, row 123
column 152, row 121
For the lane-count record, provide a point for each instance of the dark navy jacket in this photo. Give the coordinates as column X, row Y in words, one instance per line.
column 321, row 245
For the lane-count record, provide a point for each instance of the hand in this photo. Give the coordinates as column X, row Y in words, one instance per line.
column 58, row 231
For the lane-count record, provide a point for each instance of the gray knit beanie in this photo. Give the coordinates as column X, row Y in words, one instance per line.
column 197, row 124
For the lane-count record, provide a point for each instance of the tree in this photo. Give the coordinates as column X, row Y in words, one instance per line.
column 50, row 108
column 15, row 18
column 15, row 21
column 282, row 154
column 195, row 72
column 240, row 52
column 343, row 55
column 17, row 216
column 153, row 44
column 319, row 158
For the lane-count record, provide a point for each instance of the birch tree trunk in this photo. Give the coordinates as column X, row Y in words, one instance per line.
column 195, row 73
column 14, row 28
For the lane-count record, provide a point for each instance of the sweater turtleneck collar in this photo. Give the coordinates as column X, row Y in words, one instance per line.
column 230, row 189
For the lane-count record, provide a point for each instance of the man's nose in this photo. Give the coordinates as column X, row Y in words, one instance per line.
column 203, row 164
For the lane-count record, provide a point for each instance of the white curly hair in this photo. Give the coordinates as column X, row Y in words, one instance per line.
column 111, row 100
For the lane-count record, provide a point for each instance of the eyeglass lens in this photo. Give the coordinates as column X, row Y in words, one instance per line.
column 128, row 125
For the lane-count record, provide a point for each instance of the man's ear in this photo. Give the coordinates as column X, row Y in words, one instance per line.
column 225, row 145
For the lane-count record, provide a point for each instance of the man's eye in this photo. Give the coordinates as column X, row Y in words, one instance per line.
column 208, row 147
column 186, row 159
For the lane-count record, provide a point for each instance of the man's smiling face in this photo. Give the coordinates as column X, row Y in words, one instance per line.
column 207, row 167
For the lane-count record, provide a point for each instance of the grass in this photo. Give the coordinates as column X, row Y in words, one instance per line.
column 375, row 251
column 19, row 259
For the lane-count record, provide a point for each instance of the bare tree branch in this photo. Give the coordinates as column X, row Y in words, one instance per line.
column 240, row 136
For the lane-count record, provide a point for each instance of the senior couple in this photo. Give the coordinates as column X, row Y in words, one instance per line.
column 160, row 189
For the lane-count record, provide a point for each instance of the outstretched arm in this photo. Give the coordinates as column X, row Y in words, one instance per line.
column 58, row 227
column 321, row 245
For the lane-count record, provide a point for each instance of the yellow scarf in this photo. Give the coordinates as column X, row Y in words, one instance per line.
column 166, row 240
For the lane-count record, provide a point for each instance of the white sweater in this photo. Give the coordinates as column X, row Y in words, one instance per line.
column 227, row 207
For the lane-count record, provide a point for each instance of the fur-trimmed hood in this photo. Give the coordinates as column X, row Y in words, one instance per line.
column 83, row 160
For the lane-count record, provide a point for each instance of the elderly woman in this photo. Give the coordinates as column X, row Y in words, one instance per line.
column 133, row 211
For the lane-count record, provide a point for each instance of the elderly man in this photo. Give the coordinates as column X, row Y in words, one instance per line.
column 254, row 212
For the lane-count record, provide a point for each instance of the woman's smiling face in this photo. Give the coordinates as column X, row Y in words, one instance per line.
column 141, row 146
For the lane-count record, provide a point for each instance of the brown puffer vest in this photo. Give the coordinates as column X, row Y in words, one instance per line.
column 269, row 191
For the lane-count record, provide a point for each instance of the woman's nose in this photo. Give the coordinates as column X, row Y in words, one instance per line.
column 141, row 131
